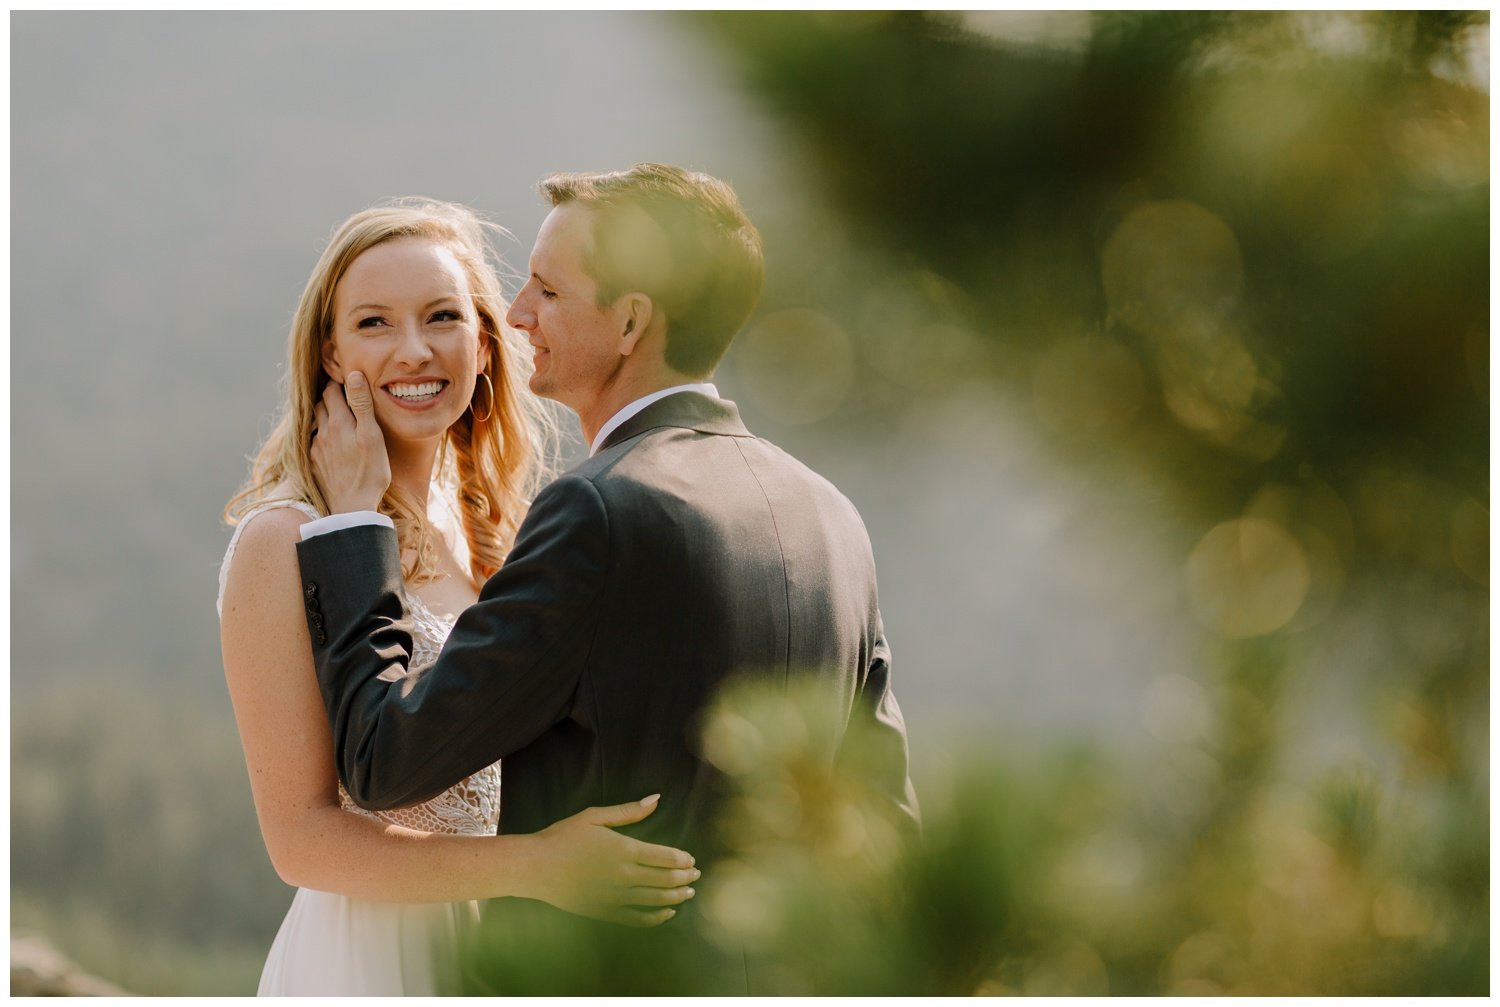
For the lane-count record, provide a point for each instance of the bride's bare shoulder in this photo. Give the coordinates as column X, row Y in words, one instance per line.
column 273, row 526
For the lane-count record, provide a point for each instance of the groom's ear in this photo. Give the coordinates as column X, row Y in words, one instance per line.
column 636, row 314
column 331, row 366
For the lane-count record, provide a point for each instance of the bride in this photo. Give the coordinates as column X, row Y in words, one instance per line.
column 407, row 294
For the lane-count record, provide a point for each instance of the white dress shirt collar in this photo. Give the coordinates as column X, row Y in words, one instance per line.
column 613, row 423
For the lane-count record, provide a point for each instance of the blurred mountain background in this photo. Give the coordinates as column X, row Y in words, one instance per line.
column 1153, row 348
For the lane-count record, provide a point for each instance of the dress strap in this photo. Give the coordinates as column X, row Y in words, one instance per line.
column 239, row 528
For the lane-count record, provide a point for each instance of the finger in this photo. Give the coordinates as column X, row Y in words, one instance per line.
column 320, row 418
column 357, row 391
column 641, row 917
column 660, row 896
column 657, row 877
column 651, row 855
column 623, row 814
column 335, row 408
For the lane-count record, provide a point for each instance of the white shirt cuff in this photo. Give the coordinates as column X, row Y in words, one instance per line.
column 338, row 522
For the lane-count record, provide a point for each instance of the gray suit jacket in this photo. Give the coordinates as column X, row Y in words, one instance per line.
column 685, row 553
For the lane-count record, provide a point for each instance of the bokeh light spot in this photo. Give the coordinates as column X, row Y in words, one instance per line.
column 742, row 904
column 733, row 743
column 1074, row 970
column 1440, row 142
column 1169, row 259
column 1201, row 964
column 1247, row 577
column 1175, row 710
column 1320, row 521
column 1088, row 387
column 1209, row 377
column 797, row 365
column 911, row 332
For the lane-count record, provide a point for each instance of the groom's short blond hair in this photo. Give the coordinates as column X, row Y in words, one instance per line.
column 681, row 238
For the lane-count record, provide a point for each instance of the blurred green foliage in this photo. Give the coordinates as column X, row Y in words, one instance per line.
column 1248, row 254
column 1280, row 219
column 1055, row 881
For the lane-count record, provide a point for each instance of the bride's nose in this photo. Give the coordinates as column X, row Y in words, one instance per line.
column 413, row 348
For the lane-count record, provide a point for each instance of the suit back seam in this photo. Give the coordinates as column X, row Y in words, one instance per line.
column 786, row 659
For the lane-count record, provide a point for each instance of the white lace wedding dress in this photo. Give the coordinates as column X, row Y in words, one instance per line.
column 332, row 945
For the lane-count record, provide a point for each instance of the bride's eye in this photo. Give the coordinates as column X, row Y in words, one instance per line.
column 369, row 323
column 447, row 315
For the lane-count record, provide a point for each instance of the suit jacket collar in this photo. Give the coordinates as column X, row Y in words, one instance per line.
column 690, row 410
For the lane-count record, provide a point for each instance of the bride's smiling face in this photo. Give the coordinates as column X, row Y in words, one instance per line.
column 404, row 316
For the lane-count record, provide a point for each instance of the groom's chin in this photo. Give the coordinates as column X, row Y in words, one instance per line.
column 542, row 387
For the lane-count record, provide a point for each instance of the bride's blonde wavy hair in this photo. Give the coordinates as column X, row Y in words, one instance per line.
column 492, row 465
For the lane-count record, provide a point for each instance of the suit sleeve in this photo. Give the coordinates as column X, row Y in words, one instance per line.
column 875, row 748
column 507, row 673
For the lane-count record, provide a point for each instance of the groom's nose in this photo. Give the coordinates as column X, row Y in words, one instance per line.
column 520, row 315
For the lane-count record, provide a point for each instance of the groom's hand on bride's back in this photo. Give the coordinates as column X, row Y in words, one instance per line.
column 348, row 448
column 582, row 865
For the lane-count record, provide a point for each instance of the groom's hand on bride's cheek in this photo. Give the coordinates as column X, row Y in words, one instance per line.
column 348, row 449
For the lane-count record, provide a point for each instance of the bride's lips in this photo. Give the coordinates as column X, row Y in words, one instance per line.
column 418, row 393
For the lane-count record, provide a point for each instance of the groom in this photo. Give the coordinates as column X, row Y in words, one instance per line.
column 683, row 553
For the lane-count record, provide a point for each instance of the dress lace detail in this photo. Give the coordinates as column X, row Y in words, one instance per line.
column 471, row 807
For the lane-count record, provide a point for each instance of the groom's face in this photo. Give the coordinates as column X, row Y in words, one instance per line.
column 575, row 342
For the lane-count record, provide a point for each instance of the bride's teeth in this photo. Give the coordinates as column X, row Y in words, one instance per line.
column 416, row 391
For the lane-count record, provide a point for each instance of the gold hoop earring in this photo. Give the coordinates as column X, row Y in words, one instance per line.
column 486, row 417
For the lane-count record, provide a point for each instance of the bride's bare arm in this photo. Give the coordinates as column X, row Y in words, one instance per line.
column 579, row 864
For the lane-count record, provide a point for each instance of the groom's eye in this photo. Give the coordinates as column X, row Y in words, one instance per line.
column 550, row 295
